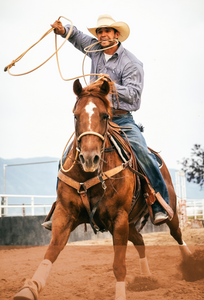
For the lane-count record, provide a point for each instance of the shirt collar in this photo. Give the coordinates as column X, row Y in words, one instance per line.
column 119, row 50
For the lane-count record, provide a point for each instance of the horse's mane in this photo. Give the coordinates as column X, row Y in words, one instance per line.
column 94, row 89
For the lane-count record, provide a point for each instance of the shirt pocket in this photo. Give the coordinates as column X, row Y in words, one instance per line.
column 117, row 74
column 101, row 66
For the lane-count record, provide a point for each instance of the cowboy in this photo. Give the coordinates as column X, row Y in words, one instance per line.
column 127, row 72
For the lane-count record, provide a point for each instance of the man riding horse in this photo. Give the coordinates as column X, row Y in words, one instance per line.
column 80, row 194
column 126, row 71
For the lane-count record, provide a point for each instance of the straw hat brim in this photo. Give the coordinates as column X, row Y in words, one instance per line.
column 122, row 27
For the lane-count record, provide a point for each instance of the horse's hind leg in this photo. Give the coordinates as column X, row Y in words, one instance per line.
column 177, row 235
column 136, row 238
column 61, row 228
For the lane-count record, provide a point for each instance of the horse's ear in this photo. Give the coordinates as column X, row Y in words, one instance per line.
column 77, row 87
column 105, row 87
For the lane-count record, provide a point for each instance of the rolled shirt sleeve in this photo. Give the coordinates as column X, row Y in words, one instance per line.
column 79, row 39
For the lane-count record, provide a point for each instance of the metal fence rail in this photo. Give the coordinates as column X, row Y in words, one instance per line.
column 5, row 206
column 194, row 207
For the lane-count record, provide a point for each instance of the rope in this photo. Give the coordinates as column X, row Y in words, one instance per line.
column 66, row 171
column 7, row 68
column 87, row 50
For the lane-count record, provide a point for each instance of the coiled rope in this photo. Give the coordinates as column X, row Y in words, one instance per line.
column 87, row 50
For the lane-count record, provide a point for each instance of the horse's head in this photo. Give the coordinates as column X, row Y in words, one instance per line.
column 92, row 111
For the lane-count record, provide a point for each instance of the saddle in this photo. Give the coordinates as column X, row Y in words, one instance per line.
column 141, row 182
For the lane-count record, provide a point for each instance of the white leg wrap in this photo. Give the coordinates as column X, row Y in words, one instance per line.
column 32, row 287
column 185, row 252
column 144, row 267
column 120, row 290
column 28, row 292
column 42, row 273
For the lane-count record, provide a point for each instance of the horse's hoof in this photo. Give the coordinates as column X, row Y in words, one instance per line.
column 47, row 225
column 28, row 291
column 185, row 252
column 24, row 294
column 144, row 267
column 120, row 291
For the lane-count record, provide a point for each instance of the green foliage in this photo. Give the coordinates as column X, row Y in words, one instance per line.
column 194, row 166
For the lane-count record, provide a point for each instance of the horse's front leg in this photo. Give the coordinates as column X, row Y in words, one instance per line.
column 120, row 238
column 62, row 225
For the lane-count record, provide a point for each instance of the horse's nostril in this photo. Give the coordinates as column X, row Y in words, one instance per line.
column 96, row 159
column 81, row 158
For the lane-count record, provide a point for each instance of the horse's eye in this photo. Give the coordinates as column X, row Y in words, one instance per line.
column 75, row 117
column 105, row 117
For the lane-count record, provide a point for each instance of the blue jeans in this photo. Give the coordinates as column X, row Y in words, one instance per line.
column 146, row 159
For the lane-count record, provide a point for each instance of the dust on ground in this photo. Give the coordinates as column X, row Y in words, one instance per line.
column 84, row 270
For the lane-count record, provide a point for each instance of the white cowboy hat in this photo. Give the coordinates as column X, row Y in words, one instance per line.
column 108, row 21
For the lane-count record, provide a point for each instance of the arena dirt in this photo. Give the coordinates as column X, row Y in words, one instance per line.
column 84, row 270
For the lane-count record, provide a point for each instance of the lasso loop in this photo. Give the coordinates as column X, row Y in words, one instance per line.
column 7, row 68
column 87, row 50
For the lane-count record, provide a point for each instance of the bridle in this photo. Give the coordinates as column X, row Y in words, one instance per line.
column 102, row 137
column 90, row 133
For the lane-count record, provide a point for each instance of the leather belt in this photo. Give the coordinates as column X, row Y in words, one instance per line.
column 119, row 112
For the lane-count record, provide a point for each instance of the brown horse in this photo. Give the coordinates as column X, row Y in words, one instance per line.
column 98, row 189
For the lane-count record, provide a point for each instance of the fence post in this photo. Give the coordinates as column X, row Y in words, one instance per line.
column 32, row 206
column 23, row 209
column 203, row 208
column 4, row 210
column 0, row 206
column 194, row 204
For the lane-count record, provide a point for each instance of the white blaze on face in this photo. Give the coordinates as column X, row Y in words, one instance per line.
column 89, row 109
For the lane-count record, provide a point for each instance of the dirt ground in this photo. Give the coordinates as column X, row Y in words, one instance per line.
column 84, row 271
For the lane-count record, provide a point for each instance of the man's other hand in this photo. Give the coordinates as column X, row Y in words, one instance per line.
column 58, row 28
column 105, row 76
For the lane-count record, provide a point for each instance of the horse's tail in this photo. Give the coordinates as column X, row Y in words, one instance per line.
column 143, row 222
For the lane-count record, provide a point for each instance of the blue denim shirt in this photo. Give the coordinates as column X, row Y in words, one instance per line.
column 123, row 68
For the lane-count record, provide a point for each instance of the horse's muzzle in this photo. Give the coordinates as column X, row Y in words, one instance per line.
column 90, row 160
